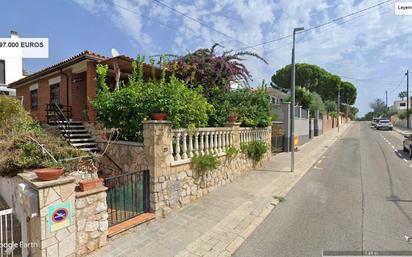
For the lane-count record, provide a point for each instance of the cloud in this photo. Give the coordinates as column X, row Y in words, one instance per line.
column 359, row 46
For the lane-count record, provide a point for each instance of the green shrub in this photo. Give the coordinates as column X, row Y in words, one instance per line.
column 231, row 152
column 204, row 163
column 253, row 107
column 127, row 107
column 254, row 150
column 20, row 137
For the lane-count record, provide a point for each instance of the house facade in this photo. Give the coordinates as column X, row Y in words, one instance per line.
column 400, row 105
column 70, row 84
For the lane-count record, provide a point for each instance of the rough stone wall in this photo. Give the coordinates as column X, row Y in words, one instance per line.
column 91, row 221
column 62, row 242
column 185, row 184
column 130, row 156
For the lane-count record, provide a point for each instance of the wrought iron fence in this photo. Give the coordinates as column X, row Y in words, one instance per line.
column 7, row 240
column 128, row 195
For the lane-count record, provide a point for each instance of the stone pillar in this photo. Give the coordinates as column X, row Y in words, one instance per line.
column 235, row 132
column 91, row 220
column 157, row 141
column 53, row 230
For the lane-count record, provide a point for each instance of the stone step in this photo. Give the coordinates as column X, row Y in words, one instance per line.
column 87, row 144
column 64, row 122
column 71, row 127
column 74, row 131
column 76, row 140
column 77, row 135
column 89, row 149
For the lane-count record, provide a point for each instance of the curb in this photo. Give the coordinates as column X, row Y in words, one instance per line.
column 402, row 133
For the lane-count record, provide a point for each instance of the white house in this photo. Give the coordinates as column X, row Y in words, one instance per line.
column 11, row 69
column 400, row 105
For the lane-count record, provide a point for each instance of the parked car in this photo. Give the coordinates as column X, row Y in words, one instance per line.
column 374, row 122
column 384, row 124
column 407, row 144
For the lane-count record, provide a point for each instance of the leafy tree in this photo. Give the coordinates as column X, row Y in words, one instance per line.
column 330, row 106
column 316, row 104
column 352, row 112
column 206, row 68
column 347, row 93
column 402, row 95
column 378, row 106
column 316, row 79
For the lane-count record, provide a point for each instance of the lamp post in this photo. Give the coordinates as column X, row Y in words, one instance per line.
column 292, row 120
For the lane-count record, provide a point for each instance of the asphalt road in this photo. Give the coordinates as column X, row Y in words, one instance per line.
column 357, row 197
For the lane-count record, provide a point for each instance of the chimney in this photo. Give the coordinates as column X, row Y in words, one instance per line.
column 14, row 34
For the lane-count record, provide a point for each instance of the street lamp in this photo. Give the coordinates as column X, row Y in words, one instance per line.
column 292, row 123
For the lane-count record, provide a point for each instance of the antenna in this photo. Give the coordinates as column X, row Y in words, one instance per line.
column 115, row 53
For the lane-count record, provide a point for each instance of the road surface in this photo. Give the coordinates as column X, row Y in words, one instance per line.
column 358, row 197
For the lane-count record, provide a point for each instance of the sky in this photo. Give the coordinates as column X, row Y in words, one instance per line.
column 369, row 49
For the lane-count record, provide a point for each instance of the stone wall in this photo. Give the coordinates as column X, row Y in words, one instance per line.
column 184, row 184
column 51, row 241
column 130, row 156
column 174, row 185
column 91, row 220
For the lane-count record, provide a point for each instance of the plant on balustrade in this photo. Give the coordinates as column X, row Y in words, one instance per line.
column 231, row 152
column 203, row 163
column 254, row 150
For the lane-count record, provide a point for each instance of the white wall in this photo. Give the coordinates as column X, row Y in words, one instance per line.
column 10, row 194
column 14, row 66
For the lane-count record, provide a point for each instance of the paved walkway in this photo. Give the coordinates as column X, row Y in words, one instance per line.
column 220, row 222
column 402, row 131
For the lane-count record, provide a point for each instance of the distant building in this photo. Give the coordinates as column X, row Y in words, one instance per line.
column 400, row 105
column 11, row 70
column 276, row 96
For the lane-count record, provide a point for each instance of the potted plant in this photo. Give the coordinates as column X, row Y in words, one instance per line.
column 232, row 118
column 52, row 172
column 159, row 114
column 89, row 184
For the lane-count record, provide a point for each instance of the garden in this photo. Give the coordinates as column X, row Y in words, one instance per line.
column 194, row 91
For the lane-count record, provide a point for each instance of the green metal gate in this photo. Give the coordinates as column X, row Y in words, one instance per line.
column 127, row 196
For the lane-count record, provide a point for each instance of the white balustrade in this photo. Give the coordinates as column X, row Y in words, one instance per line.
column 203, row 141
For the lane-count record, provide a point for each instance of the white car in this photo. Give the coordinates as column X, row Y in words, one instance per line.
column 384, row 124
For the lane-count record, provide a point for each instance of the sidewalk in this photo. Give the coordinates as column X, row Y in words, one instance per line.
column 219, row 223
column 402, row 131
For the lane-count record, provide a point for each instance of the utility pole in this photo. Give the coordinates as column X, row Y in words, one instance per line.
column 292, row 120
column 407, row 98
column 338, row 106
column 386, row 97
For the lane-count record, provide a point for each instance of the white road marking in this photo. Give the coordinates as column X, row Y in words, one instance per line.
column 405, row 160
column 393, row 147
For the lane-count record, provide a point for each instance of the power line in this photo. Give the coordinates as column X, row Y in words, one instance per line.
column 404, row 75
column 197, row 20
column 369, row 80
column 317, row 26
column 329, row 29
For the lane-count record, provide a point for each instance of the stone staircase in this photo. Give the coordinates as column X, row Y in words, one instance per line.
column 77, row 135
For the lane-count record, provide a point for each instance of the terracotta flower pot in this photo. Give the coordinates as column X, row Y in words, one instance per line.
column 47, row 174
column 86, row 185
column 232, row 118
column 159, row 116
